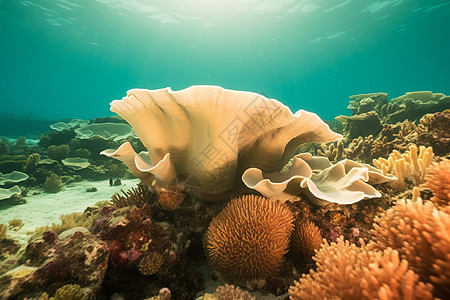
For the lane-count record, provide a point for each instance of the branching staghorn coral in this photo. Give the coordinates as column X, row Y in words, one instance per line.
column 421, row 234
column 345, row 271
column 411, row 166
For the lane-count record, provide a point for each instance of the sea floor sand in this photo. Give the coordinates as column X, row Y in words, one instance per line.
column 45, row 208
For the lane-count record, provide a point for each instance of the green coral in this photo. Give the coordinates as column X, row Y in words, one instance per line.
column 31, row 163
column 83, row 153
column 66, row 292
column 70, row 292
column 53, row 184
column 58, row 152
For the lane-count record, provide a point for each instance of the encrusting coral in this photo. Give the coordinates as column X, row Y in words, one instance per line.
column 345, row 271
column 411, row 165
column 438, row 180
column 248, row 239
column 421, row 234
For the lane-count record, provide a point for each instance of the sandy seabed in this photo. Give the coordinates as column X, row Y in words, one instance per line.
column 45, row 208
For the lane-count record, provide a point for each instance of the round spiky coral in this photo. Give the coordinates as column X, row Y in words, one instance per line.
column 248, row 238
column 438, row 180
column 305, row 240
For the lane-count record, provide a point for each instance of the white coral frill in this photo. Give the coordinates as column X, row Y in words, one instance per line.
column 346, row 182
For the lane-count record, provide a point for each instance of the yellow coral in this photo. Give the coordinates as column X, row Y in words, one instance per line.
column 412, row 165
column 248, row 238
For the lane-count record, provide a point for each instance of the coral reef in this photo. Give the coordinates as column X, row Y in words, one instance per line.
column 247, row 240
column 421, row 235
column 74, row 257
column 345, row 271
column 438, row 180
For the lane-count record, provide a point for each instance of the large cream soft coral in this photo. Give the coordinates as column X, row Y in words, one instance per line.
column 205, row 136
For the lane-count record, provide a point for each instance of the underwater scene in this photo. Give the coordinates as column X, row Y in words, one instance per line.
column 229, row 150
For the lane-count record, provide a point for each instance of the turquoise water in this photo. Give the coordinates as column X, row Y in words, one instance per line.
column 62, row 58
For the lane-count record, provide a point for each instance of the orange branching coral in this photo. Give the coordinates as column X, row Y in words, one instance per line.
column 345, row 271
column 412, row 165
column 150, row 263
column 438, row 180
column 421, row 234
column 305, row 240
column 248, row 238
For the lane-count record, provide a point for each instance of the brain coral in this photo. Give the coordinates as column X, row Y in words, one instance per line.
column 248, row 238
